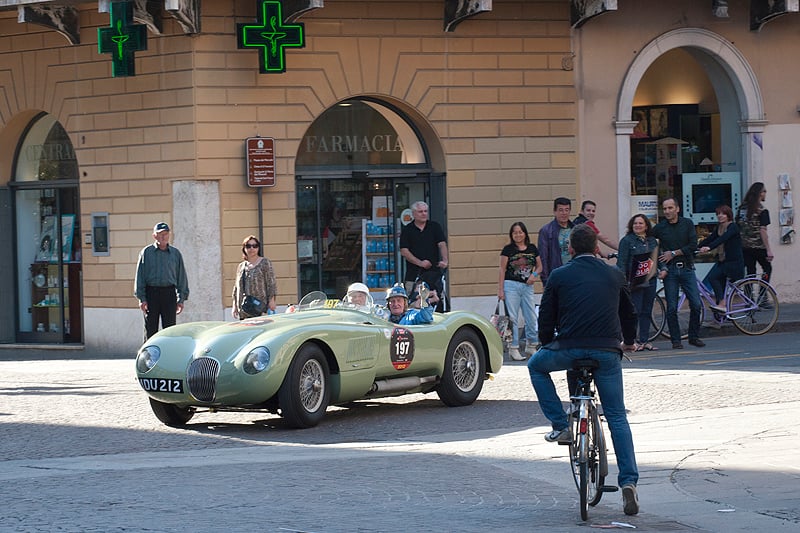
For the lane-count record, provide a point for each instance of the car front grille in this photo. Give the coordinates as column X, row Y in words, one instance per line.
column 202, row 378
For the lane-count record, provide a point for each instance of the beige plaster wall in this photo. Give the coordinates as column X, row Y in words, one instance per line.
column 494, row 97
column 602, row 64
column 493, row 93
column 132, row 136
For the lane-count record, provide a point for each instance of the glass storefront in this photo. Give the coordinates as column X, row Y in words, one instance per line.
column 348, row 230
column 360, row 166
column 48, row 250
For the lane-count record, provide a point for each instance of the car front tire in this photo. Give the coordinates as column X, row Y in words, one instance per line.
column 305, row 392
column 464, row 369
column 171, row 415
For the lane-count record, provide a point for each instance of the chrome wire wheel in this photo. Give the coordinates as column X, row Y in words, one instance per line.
column 465, row 366
column 304, row 394
column 312, row 385
column 464, row 369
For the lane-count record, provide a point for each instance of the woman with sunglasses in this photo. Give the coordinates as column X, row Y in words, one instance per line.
column 254, row 277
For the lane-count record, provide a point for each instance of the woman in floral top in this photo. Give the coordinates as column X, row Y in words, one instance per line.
column 255, row 277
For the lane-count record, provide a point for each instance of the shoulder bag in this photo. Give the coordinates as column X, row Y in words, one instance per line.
column 501, row 322
column 251, row 306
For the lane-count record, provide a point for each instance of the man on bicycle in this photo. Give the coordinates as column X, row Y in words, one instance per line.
column 588, row 303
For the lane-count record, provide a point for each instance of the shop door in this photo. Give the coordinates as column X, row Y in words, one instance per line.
column 48, row 265
column 47, row 251
column 348, row 230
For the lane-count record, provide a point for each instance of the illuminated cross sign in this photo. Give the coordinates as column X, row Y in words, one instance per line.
column 271, row 35
column 122, row 39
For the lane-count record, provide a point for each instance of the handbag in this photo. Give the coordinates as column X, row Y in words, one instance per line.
column 642, row 270
column 251, row 306
column 501, row 322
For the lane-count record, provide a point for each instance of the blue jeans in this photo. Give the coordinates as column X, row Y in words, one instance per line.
column 608, row 380
column 520, row 295
column 643, row 301
column 682, row 278
column 719, row 274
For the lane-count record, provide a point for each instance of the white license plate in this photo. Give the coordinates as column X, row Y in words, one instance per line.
column 162, row 385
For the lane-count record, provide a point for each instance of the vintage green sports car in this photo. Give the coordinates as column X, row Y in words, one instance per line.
column 323, row 352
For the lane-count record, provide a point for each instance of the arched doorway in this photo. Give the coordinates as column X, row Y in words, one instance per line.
column 741, row 114
column 359, row 167
column 45, row 205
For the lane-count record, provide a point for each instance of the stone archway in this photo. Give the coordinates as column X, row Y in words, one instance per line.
column 733, row 80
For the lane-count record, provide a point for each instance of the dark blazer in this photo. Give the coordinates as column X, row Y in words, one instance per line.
column 588, row 303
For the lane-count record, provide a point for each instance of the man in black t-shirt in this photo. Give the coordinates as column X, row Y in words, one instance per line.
column 424, row 247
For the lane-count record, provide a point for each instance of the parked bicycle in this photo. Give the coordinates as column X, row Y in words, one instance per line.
column 751, row 304
column 587, row 451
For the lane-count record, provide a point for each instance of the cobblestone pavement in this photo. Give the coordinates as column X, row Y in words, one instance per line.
column 81, row 451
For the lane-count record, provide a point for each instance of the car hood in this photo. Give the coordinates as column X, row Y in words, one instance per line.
column 226, row 339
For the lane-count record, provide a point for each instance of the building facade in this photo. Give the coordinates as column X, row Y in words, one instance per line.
column 487, row 110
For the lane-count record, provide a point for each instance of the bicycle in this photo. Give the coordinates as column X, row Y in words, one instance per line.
column 751, row 305
column 587, row 450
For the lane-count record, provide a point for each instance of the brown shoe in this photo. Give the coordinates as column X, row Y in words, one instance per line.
column 697, row 342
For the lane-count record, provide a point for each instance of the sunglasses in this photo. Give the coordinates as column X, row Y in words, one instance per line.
column 251, row 245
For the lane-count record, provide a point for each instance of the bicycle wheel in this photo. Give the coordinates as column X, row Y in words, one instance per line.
column 597, row 458
column 752, row 306
column 579, row 462
column 584, row 488
column 683, row 313
column 658, row 318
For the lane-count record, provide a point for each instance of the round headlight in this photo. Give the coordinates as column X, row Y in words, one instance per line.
column 257, row 360
column 147, row 358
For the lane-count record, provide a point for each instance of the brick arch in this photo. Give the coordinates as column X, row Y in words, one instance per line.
column 10, row 137
column 741, row 102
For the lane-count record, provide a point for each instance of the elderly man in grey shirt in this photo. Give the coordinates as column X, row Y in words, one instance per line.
column 161, row 285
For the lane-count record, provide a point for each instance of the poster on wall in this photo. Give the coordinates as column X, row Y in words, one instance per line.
column 786, row 212
column 46, row 239
column 646, row 204
column 67, row 231
column 380, row 210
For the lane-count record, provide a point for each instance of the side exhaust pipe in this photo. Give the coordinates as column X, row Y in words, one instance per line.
column 384, row 386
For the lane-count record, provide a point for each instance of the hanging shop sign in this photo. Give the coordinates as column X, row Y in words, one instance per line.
column 260, row 161
column 122, row 39
column 271, row 36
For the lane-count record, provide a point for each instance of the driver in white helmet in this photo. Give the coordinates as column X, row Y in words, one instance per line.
column 399, row 313
column 358, row 297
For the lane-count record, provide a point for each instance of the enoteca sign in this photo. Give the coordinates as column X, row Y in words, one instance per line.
column 260, row 161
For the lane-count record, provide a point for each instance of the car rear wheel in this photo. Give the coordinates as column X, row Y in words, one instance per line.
column 463, row 370
column 171, row 415
column 305, row 392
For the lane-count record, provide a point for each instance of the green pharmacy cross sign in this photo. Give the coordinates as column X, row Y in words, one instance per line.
column 122, row 39
column 271, row 35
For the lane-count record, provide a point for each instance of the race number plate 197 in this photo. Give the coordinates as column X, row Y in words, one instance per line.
column 162, row 385
column 401, row 349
